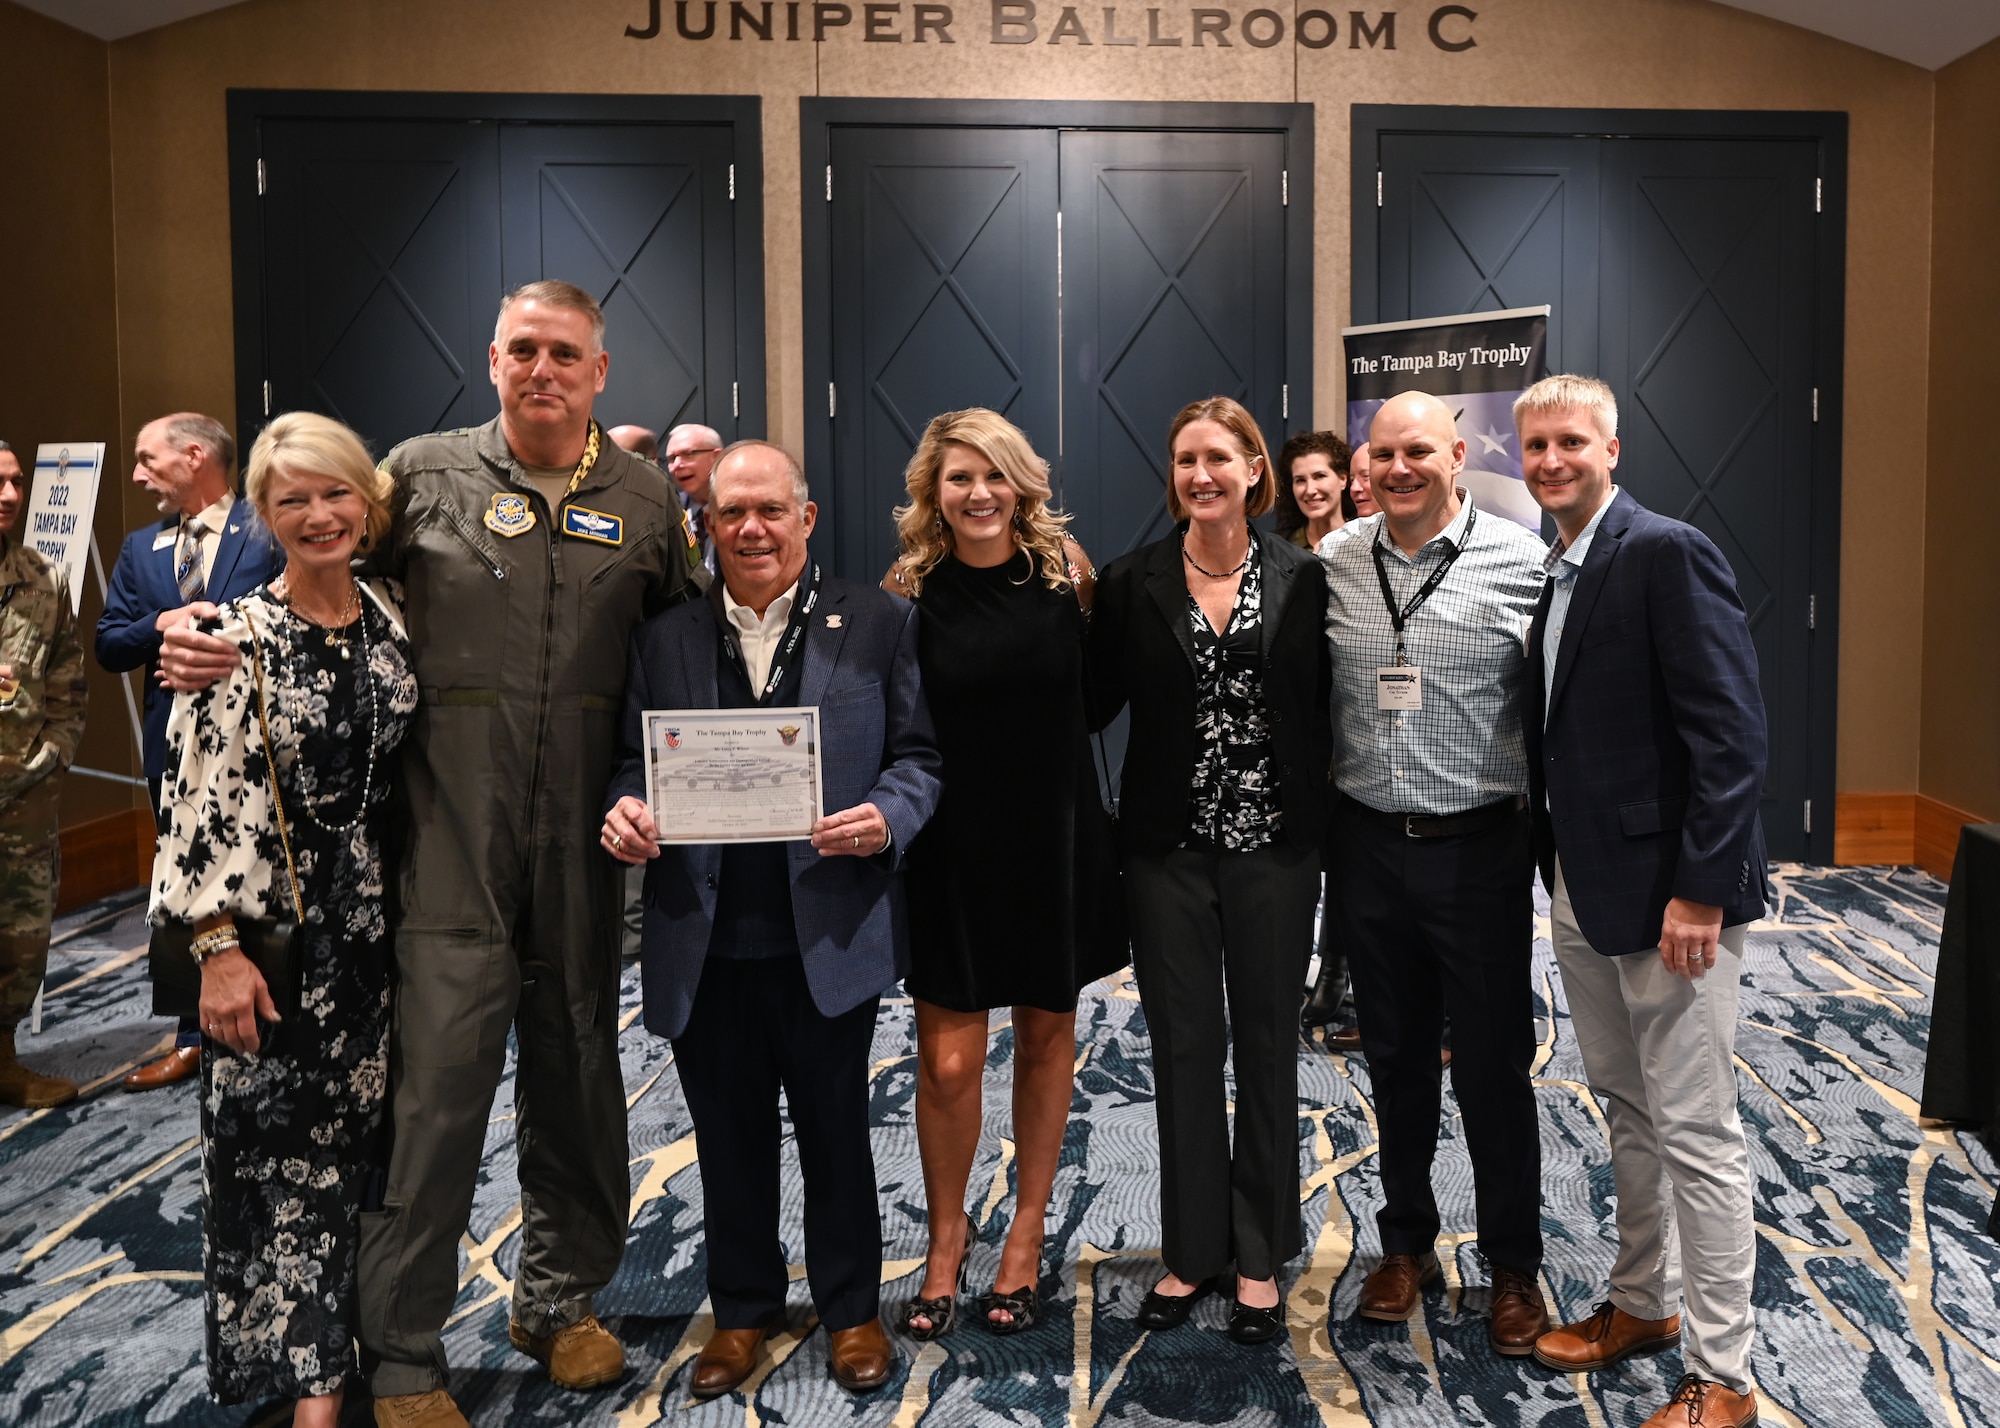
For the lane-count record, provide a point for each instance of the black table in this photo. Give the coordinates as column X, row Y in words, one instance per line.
column 1962, row 1065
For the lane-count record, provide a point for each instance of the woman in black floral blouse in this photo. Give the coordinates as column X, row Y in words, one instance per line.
column 1215, row 637
column 291, row 1106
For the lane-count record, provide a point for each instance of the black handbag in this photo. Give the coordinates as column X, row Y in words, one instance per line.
column 274, row 945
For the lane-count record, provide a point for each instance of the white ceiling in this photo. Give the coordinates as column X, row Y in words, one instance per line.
column 1930, row 33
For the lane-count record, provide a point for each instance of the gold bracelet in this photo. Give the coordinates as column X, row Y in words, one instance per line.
column 219, row 939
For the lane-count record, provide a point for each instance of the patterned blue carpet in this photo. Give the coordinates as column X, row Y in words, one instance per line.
column 1876, row 1287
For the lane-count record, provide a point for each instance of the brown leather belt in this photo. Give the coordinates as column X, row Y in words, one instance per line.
column 1449, row 825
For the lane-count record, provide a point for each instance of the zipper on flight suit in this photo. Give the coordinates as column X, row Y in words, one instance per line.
column 457, row 523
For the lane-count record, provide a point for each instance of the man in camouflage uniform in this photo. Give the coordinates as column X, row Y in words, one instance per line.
column 42, row 697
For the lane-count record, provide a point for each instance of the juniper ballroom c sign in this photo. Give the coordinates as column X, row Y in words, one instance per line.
column 1029, row 22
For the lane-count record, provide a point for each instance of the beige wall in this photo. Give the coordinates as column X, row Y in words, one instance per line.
column 61, row 372
column 1961, row 683
column 167, row 136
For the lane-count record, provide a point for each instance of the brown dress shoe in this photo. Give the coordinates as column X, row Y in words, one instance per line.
column 1704, row 1403
column 1391, row 1292
column 729, row 1357
column 1346, row 1041
column 861, row 1356
column 29, row 1089
column 177, row 1065
column 419, row 1410
column 1518, row 1317
column 1608, row 1335
column 580, row 1355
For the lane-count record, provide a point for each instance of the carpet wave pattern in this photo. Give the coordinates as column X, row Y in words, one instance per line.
column 1875, row 1283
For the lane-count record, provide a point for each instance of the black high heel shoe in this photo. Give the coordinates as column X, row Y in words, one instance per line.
column 1329, row 993
column 942, row 1310
column 1170, row 1311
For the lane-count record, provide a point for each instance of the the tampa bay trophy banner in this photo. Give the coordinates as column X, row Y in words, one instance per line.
column 1478, row 364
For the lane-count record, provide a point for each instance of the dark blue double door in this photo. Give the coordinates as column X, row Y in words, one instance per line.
column 379, row 247
column 1085, row 283
column 1691, row 272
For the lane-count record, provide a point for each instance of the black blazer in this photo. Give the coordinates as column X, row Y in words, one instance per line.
column 1142, row 654
column 1647, row 773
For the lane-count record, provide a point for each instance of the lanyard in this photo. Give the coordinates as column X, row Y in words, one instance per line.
column 1401, row 617
column 583, row 467
column 795, row 632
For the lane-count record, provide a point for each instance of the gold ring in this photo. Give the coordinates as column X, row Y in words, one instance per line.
column 617, row 840
column 857, row 840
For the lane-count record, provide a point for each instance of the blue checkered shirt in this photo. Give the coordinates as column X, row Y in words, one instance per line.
column 1464, row 748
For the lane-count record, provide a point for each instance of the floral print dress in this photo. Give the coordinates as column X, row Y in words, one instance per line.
column 290, row 1134
column 1234, row 802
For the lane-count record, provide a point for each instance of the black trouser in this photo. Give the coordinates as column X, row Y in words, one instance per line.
column 1436, row 927
column 1203, row 922
column 753, row 1028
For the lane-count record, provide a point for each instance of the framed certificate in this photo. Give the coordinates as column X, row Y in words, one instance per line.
column 733, row 775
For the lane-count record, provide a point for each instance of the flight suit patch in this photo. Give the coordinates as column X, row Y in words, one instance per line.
column 586, row 524
column 509, row 515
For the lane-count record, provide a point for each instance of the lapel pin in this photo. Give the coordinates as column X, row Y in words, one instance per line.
column 833, row 622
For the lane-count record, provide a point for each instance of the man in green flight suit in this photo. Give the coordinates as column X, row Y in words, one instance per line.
column 42, row 699
column 529, row 549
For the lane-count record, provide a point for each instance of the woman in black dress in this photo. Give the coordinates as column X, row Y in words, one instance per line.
column 1013, row 886
column 1216, row 638
column 291, row 1106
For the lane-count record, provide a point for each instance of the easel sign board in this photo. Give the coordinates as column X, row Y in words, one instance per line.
column 60, row 506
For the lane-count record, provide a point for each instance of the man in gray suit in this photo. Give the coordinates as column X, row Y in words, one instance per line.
column 763, row 961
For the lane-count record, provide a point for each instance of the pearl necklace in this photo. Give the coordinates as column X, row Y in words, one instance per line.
column 352, row 613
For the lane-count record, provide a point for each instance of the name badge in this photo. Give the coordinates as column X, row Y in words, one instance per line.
column 166, row 537
column 586, row 524
column 1399, row 686
column 509, row 515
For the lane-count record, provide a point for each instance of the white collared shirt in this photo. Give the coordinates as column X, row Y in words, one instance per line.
column 208, row 524
column 759, row 636
column 1564, row 564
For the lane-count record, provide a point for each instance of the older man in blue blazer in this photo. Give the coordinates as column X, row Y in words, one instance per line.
column 207, row 547
column 764, row 961
column 1646, row 745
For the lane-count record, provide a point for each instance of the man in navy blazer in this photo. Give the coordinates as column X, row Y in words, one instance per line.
column 1646, row 745
column 207, row 547
column 764, row 961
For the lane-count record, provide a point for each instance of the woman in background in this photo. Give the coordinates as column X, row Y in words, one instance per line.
column 1216, row 638
column 1312, row 489
column 291, row 1107
column 1013, row 885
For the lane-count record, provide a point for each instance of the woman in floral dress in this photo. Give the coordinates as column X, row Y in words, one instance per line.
column 291, row 1107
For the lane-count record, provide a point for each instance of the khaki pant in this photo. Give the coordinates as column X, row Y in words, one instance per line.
column 30, row 867
column 1659, row 1053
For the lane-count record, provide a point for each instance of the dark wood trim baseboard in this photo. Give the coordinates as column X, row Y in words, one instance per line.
column 1898, row 828
column 104, row 856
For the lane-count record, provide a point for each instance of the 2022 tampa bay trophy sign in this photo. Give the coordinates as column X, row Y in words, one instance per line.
column 1477, row 363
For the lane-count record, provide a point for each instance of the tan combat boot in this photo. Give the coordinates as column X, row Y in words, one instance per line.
column 434, row 1409
column 29, row 1089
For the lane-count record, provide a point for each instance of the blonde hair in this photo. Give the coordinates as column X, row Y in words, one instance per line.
column 308, row 444
column 1566, row 392
column 1230, row 414
column 927, row 539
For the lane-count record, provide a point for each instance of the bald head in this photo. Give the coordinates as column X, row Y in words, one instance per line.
column 639, row 440
column 1414, row 461
column 689, row 456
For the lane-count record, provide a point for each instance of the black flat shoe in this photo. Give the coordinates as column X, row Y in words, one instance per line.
column 942, row 1310
column 1021, row 1303
column 1249, row 1325
column 1170, row 1311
